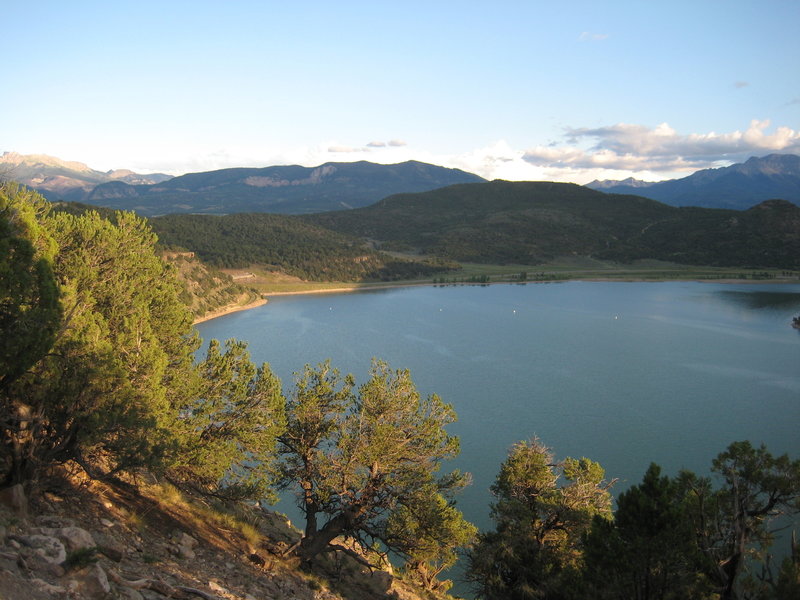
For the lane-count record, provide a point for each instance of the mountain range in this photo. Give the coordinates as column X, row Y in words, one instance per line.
column 338, row 186
column 66, row 180
column 277, row 189
column 738, row 186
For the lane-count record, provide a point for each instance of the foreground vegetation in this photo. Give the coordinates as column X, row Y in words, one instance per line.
column 98, row 368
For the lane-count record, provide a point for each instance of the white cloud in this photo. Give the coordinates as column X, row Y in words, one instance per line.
column 345, row 149
column 588, row 36
column 609, row 152
column 635, row 148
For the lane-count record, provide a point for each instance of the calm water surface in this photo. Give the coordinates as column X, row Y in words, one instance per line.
column 623, row 373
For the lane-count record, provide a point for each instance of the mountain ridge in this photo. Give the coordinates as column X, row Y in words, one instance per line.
column 284, row 189
column 738, row 186
column 60, row 179
column 531, row 222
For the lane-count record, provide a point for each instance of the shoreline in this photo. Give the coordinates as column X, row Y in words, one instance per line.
column 356, row 288
column 228, row 310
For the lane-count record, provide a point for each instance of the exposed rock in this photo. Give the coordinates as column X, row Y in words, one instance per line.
column 11, row 585
column 31, row 562
column 217, row 588
column 54, row 521
column 91, row 583
column 110, row 547
column 52, row 590
column 49, row 548
column 126, row 593
column 73, row 538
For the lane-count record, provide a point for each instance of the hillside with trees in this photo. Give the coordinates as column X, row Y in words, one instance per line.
column 101, row 374
column 287, row 244
column 102, row 396
column 278, row 189
column 505, row 222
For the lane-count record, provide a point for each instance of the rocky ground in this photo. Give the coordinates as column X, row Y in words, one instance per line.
column 82, row 539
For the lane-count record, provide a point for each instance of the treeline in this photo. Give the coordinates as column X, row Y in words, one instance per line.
column 286, row 244
column 97, row 367
column 504, row 222
column 204, row 287
column 683, row 537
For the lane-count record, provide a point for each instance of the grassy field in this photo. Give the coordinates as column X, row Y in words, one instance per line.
column 561, row 269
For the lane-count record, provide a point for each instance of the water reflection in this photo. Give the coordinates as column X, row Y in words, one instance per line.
column 760, row 300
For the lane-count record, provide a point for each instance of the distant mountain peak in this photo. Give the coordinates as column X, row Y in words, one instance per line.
column 737, row 186
column 65, row 180
column 601, row 184
column 287, row 189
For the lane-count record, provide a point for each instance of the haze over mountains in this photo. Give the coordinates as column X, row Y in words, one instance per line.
column 338, row 186
column 277, row 189
column 738, row 186
column 65, row 180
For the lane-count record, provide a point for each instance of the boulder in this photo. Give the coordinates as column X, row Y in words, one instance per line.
column 90, row 583
column 73, row 538
column 49, row 548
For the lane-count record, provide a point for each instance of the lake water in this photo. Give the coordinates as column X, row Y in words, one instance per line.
column 622, row 373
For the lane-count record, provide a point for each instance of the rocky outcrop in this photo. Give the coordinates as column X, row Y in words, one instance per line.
column 94, row 541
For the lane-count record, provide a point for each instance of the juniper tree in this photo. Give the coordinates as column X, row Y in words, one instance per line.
column 355, row 457
column 110, row 383
column 536, row 547
column 230, row 425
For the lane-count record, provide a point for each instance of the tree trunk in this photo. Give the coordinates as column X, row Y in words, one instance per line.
column 343, row 523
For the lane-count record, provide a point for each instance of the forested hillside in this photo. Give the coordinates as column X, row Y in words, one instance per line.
column 98, row 371
column 100, row 389
column 205, row 289
column 531, row 222
column 288, row 189
column 287, row 244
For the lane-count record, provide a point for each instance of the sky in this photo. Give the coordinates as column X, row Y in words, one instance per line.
column 525, row 90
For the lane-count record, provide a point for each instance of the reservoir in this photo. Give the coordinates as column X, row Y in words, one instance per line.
column 623, row 373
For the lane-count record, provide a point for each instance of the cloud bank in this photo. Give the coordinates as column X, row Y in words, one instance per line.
column 580, row 155
column 636, row 148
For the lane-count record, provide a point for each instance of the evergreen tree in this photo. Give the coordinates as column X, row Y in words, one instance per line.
column 734, row 523
column 29, row 305
column 120, row 354
column 648, row 551
column 428, row 531
column 355, row 458
column 535, row 550
column 230, row 426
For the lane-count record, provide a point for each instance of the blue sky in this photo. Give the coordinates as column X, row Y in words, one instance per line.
column 567, row 91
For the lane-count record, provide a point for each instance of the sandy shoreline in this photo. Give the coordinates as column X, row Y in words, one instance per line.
column 221, row 312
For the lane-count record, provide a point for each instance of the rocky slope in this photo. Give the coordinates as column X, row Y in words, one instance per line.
column 84, row 539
